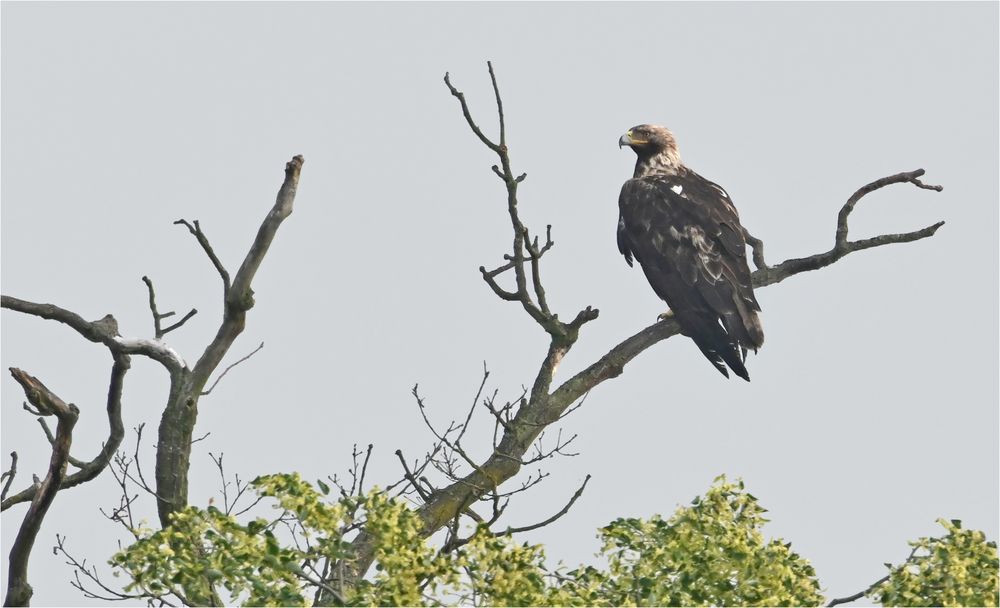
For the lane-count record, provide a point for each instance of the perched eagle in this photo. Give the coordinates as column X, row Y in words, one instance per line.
column 686, row 234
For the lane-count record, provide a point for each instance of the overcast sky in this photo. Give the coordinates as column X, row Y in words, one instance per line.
column 873, row 407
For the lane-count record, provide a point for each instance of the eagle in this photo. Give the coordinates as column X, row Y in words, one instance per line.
column 686, row 234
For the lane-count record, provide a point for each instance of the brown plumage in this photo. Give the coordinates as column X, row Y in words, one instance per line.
column 686, row 234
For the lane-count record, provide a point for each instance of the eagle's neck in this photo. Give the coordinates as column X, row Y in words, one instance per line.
column 664, row 162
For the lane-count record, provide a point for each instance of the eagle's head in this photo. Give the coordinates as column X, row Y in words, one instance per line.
column 655, row 146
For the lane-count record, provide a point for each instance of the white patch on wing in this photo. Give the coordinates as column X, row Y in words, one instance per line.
column 675, row 234
column 677, row 189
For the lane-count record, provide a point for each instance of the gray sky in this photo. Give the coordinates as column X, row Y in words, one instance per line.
column 873, row 407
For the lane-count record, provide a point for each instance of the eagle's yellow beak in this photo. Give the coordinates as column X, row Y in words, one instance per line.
column 627, row 140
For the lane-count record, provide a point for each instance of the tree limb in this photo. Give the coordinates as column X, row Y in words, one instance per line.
column 116, row 431
column 19, row 591
column 173, row 454
column 103, row 331
column 873, row 586
column 203, row 241
column 226, row 371
column 9, row 475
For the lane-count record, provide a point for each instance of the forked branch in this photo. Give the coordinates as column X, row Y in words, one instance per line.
column 47, row 403
column 116, row 432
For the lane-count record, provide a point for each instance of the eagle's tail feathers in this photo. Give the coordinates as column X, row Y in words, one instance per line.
column 716, row 345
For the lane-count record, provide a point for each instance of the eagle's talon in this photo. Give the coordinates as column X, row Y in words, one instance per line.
column 665, row 316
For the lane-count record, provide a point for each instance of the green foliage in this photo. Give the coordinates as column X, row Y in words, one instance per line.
column 711, row 552
column 959, row 569
column 404, row 559
column 249, row 561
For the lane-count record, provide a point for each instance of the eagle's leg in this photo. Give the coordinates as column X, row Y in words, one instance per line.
column 665, row 316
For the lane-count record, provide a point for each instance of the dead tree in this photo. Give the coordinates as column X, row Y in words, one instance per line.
column 187, row 383
column 545, row 403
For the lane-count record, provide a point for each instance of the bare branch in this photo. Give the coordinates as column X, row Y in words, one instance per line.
column 19, row 591
column 845, row 211
column 103, row 331
column 502, row 293
column 157, row 316
column 539, row 312
column 364, row 469
column 225, row 371
column 475, row 402
column 455, row 542
column 184, row 319
column 9, row 475
column 460, row 96
column 91, row 574
column 410, row 478
column 560, row 513
column 177, row 423
column 496, row 92
column 203, row 241
column 116, row 432
column 51, row 438
column 861, row 594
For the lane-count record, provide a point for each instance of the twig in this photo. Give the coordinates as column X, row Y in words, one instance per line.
column 226, row 371
column 563, row 511
column 157, row 317
column 475, row 401
column 364, row 469
column 203, row 241
column 409, row 477
column 9, row 475
column 845, row 211
column 91, row 573
column 51, row 438
column 860, row 594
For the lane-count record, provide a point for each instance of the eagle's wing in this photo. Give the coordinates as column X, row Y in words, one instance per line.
column 686, row 234
column 623, row 240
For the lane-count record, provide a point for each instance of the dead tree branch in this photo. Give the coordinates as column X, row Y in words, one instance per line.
column 455, row 542
column 46, row 402
column 103, row 331
column 116, row 432
column 90, row 573
column 873, row 586
column 186, row 383
column 9, row 475
column 203, row 241
column 176, row 429
column 226, row 371
column 544, row 405
column 159, row 331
